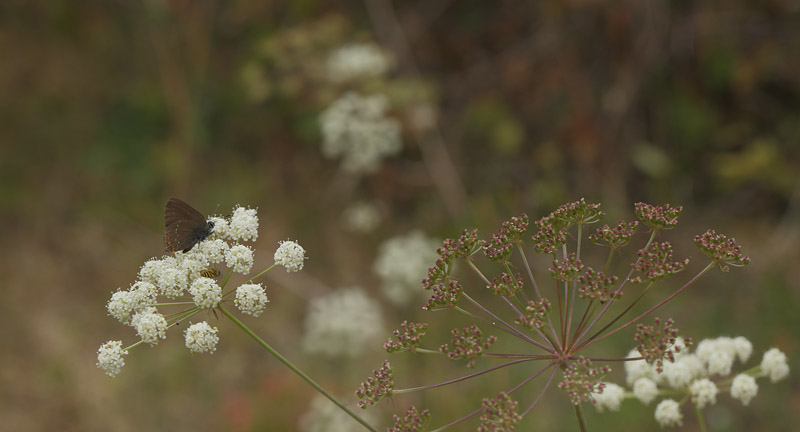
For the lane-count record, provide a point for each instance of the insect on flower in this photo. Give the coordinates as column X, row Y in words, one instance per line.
column 184, row 226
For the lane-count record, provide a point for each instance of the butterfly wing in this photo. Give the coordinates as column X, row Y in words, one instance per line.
column 176, row 210
column 185, row 226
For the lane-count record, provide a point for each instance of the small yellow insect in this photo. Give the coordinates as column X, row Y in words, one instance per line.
column 212, row 273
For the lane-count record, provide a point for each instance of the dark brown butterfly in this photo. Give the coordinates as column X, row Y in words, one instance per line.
column 184, row 226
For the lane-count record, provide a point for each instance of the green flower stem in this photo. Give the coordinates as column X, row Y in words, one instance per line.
column 294, row 369
column 173, row 303
column 133, row 346
column 227, row 276
column 247, row 281
column 581, row 420
column 536, row 290
column 574, row 284
column 592, row 340
column 261, row 274
column 425, row 351
column 700, row 419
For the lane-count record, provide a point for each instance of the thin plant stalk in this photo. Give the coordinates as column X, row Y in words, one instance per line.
column 294, row 369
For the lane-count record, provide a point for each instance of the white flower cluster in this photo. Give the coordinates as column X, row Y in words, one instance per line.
column 201, row 337
column 323, row 416
column 356, row 129
column 361, row 217
column 692, row 373
column 251, row 299
column 402, row 263
column 357, row 61
column 192, row 273
column 290, row 255
column 109, row 357
column 342, row 323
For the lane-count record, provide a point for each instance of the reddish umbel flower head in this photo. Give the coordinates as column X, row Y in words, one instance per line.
column 579, row 212
column 514, row 228
column 499, row 414
column 467, row 344
column 447, row 290
column 581, row 379
column 549, row 238
column 413, row 421
column 408, row 336
column 498, row 248
column 535, row 314
column 596, row 285
column 615, row 237
column 506, row 285
column 376, row 387
column 721, row 249
column 500, row 245
column 656, row 262
column 566, row 269
column 445, row 295
column 657, row 342
column 658, row 218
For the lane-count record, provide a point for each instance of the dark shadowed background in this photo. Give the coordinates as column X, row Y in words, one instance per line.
column 109, row 107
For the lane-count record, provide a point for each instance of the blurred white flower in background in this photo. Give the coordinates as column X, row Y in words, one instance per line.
column 357, row 61
column 343, row 323
column 356, row 129
column 361, row 217
column 323, row 416
column 402, row 263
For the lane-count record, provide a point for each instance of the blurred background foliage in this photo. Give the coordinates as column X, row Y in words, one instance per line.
column 110, row 107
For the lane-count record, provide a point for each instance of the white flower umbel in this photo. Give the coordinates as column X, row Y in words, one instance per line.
column 240, row 259
column 636, row 369
column 609, row 399
column 150, row 325
column 361, row 217
column 192, row 266
column 744, row 388
column 668, row 413
column 171, row 281
column 774, row 364
column 251, row 299
column 201, row 338
column 109, row 357
column 682, row 371
column 151, row 270
column 205, row 292
column 645, row 390
column 244, row 224
column 704, row 392
column 720, row 362
column 323, row 416
column 123, row 304
column 222, row 228
column 210, row 251
column 356, row 129
column 402, row 263
column 743, row 348
column 343, row 323
column 357, row 61
column 290, row 255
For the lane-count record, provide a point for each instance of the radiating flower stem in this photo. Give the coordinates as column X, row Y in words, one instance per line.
column 700, row 420
column 294, row 369
column 581, row 420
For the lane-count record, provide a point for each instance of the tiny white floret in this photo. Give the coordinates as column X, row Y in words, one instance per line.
column 744, row 388
column 290, row 255
column 668, row 413
column 201, row 337
column 109, row 357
